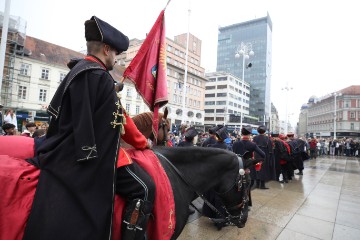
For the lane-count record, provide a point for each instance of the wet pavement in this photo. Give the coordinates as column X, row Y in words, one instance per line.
column 324, row 203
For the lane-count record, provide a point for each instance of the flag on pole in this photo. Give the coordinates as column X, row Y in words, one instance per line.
column 148, row 70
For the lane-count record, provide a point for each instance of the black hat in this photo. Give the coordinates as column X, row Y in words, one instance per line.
column 222, row 133
column 246, row 130
column 7, row 126
column 261, row 129
column 290, row 134
column 213, row 129
column 98, row 30
column 274, row 135
column 191, row 133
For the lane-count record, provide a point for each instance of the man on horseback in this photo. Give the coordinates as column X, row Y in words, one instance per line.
column 81, row 163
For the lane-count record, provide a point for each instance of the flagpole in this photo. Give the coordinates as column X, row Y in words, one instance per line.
column 167, row 5
column 186, row 68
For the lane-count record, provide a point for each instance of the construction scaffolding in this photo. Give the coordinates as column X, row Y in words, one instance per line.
column 14, row 48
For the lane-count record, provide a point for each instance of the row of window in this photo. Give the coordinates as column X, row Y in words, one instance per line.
column 180, row 53
column 192, row 91
column 191, row 102
column 128, row 108
column 180, row 76
column 25, row 69
column 22, row 94
column 181, row 65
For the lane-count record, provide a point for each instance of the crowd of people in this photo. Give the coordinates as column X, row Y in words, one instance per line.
column 278, row 157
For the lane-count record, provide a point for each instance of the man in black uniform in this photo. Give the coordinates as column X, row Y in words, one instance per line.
column 212, row 136
column 78, row 179
column 221, row 134
column 189, row 135
column 267, row 170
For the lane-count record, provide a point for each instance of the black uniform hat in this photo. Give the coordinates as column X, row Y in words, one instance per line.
column 98, row 30
column 261, row 129
column 191, row 133
column 214, row 129
column 246, row 130
column 222, row 133
column 7, row 126
column 290, row 134
column 274, row 135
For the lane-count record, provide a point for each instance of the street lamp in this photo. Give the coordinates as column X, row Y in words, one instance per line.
column 244, row 50
column 287, row 89
column 335, row 94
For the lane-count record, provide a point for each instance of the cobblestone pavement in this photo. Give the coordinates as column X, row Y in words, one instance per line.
column 324, row 203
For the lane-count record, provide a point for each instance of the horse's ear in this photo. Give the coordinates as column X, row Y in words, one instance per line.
column 165, row 112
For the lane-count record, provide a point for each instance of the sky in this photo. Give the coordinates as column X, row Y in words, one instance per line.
column 315, row 51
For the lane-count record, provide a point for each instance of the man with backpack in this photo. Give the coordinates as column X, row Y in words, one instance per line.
column 296, row 147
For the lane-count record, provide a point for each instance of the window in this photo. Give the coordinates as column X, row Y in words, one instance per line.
column 25, row 69
column 22, row 92
column 221, row 86
column 209, row 118
column 168, row 71
column 209, row 110
column 352, row 126
column 45, row 73
column 210, row 95
column 221, row 103
column 352, row 114
column 127, row 107
column 42, row 95
column 62, row 76
column 137, row 111
column 174, row 98
column 210, row 103
column 221, row 95
column 128, row 92
column 209, row 87
column 138, row 96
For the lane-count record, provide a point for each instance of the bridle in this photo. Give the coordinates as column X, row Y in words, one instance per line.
column 162, row 125
column 239, row 183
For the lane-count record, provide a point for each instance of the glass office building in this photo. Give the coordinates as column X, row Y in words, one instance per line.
column 258, row 33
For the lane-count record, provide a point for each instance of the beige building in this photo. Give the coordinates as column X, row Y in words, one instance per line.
column 193, row 114
column 325, row 116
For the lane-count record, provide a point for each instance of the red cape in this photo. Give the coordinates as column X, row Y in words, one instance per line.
column 18, row 180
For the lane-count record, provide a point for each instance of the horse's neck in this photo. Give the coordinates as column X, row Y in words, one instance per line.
column 204, row 168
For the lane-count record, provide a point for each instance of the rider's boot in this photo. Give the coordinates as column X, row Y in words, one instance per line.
column 135, row 219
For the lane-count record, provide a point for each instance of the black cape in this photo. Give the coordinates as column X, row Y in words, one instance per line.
column 75, row 194
column 267, row 171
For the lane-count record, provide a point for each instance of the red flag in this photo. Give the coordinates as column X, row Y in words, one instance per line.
column 148, row 70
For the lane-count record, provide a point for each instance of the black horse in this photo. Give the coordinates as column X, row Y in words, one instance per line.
column 193, row 171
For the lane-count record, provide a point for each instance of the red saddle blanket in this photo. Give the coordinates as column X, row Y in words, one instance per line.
column 18, row 180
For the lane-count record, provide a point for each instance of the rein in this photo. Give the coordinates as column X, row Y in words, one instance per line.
column 240, row 179
column 162, row 126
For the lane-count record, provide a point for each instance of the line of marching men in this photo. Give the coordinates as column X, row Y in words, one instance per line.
column 277, row 154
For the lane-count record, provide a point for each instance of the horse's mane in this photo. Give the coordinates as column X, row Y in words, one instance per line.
column 144, row 121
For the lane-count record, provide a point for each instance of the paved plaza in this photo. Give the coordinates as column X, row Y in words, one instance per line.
column 324, row 203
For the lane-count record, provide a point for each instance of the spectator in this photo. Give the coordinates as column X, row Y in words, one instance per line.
column 9, row 129
column 30, row 129
column 10, row 117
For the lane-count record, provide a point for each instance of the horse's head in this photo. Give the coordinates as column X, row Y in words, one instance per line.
column 144, row 123
column 235, row 198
